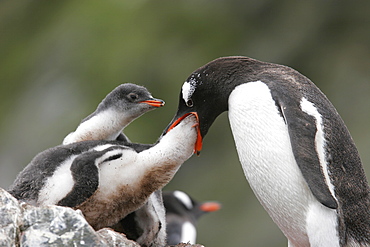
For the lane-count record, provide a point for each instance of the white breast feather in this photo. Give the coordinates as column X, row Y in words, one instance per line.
column 264, row 149
column 189, row 233
column 58, row 185
column 125, row 170
column 107, row 125
column 322, row 225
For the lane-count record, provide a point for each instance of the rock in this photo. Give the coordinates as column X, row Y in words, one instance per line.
column 25, row 225
column 10, row 211
column 186, row 245
column 56, row 226
column 116, row 239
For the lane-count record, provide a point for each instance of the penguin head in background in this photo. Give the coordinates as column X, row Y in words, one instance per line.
column 182, row 214
column 180, row 203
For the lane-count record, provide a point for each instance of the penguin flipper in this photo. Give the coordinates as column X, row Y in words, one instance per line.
column 85, row 174
column 302, row 129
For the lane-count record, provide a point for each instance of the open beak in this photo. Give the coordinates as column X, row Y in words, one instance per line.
column 154, row 102
column 199, row 141
column 210, row 206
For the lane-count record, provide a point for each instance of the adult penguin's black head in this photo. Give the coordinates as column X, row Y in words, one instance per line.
column 206, row 91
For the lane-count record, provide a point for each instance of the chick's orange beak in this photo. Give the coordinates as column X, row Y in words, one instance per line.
column 199, row 141
column 154, row 102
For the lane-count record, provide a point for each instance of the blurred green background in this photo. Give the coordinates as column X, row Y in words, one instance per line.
column 58, row 60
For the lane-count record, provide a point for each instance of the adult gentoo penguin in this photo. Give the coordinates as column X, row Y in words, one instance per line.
column 119, row 108
column 295, row 149
column 104, row 179
column 182, row 214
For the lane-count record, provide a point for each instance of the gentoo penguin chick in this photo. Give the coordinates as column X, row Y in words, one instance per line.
column 104, row 179
column 122, row 105
column 126, row 102
column 119, row 108
column 295, row 149
column 182, row 214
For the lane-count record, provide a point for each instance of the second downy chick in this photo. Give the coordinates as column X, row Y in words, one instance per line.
column 117, row 110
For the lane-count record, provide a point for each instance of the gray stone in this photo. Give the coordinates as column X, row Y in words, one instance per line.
column 25, row 225
column 116, row 239
column 10, row 211
column 56, row 226
column 186, row 245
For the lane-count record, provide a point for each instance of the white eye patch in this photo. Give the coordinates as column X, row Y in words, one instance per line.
column 189, row 86
column 188, row 89
column 184, row 198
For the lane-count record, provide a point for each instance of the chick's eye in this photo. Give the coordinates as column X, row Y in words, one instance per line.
column 189, row 103
column 133, row 96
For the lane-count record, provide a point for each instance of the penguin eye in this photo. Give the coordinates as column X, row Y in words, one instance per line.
column 133, row 96
column 189, row 103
